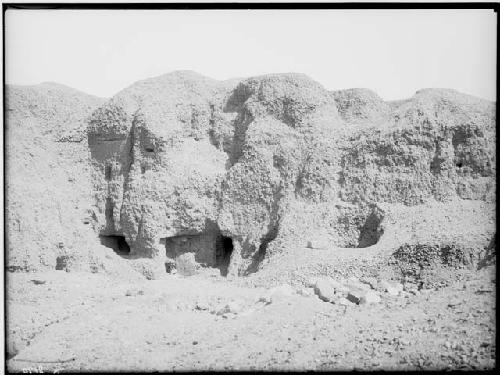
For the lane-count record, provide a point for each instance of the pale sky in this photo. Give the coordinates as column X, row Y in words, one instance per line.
column 393, row 52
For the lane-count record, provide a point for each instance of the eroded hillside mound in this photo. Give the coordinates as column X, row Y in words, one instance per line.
column 48, row 184
column 188, row 171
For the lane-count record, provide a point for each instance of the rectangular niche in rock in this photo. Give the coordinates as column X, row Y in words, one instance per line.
column 108, row 173
column 202, row 245
column 209, row 249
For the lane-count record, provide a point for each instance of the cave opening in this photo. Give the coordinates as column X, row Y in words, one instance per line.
column 366, row 231
column 224, row 249
column 371, row 231
column 211, row 249
column 117, row 243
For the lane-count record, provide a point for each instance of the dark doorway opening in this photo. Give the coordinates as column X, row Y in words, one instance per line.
column 108, row 173
column 370, row 232
column 224, row 249
column 117, row 243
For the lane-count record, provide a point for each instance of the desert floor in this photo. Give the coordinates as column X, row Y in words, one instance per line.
column 60, row 321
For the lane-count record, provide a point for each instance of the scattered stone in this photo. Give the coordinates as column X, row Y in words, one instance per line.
column 38, row 282
column 234, row 307
column 202, row 306
column 266, row 298
column 362, row 297
column 325, row 290
column 355, row 295
column 134, row 292
column 392, row 288
column 186, row 264
column 369, row 297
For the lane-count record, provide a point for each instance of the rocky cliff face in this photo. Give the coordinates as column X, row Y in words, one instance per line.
column 238, row 171
column 158, row 158
column 185, row 156
column 50, row 219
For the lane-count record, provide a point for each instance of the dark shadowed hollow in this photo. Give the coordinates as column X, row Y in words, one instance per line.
column 224, row 249
column 117, row 243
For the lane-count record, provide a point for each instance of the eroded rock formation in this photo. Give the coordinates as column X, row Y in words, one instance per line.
column 236, row 171
column 48, row 185
column 182, row 156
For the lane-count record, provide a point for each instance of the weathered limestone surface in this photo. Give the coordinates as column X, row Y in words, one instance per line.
column 158, row 159
column 182, row 164
column 47, row 173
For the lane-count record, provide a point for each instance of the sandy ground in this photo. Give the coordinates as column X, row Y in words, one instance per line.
column 60, row 321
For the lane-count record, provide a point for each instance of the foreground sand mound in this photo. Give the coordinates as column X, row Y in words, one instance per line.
column 238, row 173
